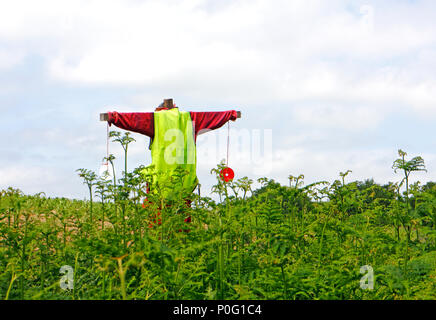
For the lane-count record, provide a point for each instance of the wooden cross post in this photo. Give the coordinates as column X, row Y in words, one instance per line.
column 167, row 103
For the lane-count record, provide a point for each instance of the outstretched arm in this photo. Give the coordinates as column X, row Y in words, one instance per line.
column 140, row 122
column 204, row 121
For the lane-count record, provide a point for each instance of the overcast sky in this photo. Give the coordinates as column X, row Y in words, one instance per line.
column 337, row 85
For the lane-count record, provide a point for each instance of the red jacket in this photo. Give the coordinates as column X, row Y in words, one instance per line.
column 143, row 122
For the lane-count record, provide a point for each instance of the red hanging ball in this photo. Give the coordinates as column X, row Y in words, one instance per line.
column 227, row 174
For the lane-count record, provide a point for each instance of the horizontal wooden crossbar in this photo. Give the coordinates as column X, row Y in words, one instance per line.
column 167, row 104
column 105, row 117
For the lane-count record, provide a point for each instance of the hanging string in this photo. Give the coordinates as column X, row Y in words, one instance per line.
column 107, row 143
column 227, row 173
column 228, row 142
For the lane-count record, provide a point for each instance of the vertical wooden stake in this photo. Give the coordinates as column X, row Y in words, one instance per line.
column 168, row 103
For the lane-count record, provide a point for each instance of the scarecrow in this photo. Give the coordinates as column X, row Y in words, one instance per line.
column 173, row 134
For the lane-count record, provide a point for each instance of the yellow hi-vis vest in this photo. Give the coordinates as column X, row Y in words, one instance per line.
column 173, row 168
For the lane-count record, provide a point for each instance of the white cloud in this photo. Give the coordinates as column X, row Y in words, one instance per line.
column 9, row 59
column 34, row 179
column 256, row 50
column 335, row 116
column 323, row 64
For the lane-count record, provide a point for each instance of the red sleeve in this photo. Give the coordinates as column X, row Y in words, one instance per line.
column 211, row 120
column 140, row 122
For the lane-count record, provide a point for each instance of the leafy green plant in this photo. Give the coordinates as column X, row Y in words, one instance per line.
column 290, row 241
column 89, row 178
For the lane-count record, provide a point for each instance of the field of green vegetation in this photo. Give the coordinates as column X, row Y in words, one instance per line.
column 276, row 242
